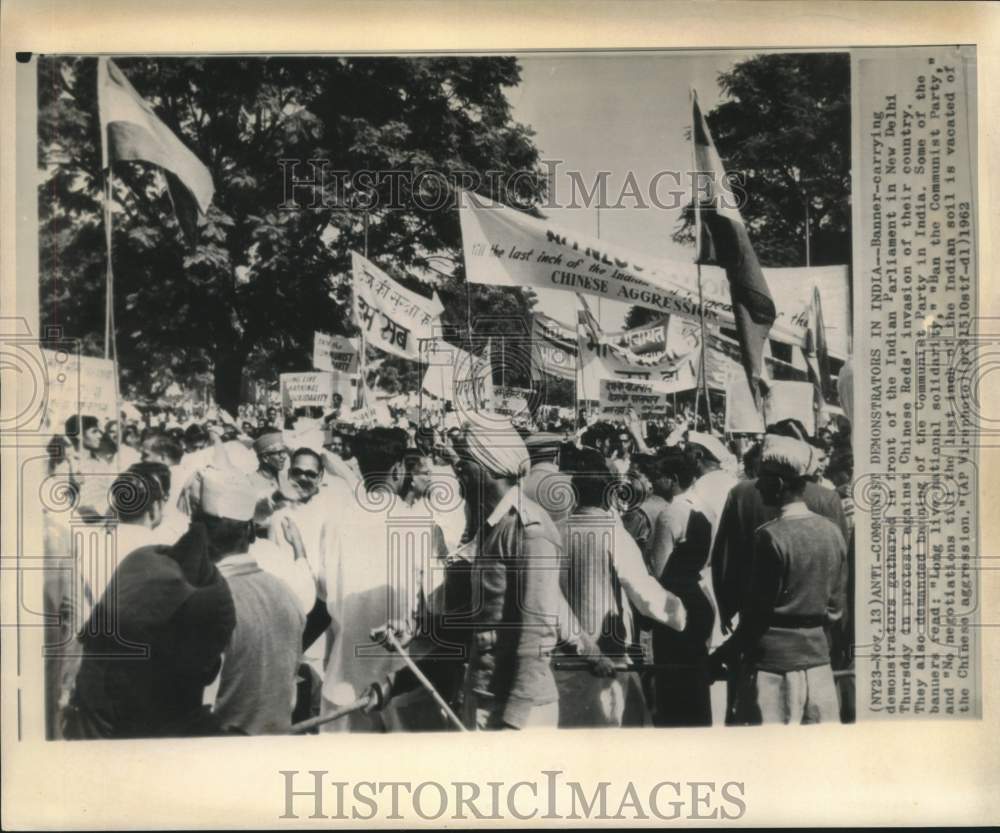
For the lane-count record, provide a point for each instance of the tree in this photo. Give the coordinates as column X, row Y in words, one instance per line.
column 785, row 128
column 266, row 272
column 639, row 316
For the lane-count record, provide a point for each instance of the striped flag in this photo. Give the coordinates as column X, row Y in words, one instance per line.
column 131, row 131
column 815, row 349
column 722, row 240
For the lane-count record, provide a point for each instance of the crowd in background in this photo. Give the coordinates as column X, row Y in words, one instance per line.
column 278, row 568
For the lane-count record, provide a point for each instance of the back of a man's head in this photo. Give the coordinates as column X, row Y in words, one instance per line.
column 377, row 450
column 195, row 436
column 165, row 446
column 592, row 479
column 134, row 492
column 679, row 464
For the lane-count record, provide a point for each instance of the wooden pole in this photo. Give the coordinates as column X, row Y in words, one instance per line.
column 363, row 381
column 313, row 722
column 696, row 205
column 452, row 717
column 808, row 258
column 704, row 358
column 110, row 342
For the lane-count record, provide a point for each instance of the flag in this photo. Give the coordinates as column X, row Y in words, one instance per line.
column 722, row 240
column 817, row 357
column 587, row 320
column 131, row 131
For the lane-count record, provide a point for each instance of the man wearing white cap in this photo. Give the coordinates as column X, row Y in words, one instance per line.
column 257, row 683
column 744, row 511
column 714, row 465
column 715, row 475
column 797, row 588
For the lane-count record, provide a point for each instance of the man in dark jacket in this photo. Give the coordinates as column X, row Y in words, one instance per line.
column 744, row 512
column 797, row 589
column 155, row 638
column 732, row 554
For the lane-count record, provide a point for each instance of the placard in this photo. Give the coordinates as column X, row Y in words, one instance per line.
column 335, row 353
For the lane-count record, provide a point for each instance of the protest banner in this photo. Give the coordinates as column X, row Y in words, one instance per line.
column 554, row 348
column 473, row 382
column 392, row 318
column 511, row 401
column 504, row 247
column 335, row 353
column 791, row 400
column 619, row 396
column 314, row 388
column 600, row 359
column 81, row 385
column 649, row 338
column 683, row 336
column 441, row 360
column 361, row 417
column 784, row 400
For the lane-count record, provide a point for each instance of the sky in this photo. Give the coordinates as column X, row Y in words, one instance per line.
column 616, row 112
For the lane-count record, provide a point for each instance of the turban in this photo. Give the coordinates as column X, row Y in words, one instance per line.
column 542, row 445
column 501, row 453
column 787, row 456
column 711, row 445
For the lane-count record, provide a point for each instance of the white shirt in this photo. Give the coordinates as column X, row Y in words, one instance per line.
column 447, row 505
column 335, row 497
column 294, row 572
column 711, row 491
column 586, row 529
column 377, row 559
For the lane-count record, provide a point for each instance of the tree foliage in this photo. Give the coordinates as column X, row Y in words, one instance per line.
column 262, row 276
column 785, row 127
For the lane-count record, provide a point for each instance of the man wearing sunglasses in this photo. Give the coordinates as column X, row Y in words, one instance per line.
column 306, row 474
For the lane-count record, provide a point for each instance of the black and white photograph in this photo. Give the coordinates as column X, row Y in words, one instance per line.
column 453, row 392
column 515, row 392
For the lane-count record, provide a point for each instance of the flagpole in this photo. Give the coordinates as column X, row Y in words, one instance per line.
column 808, row 259
column 503, row 361
column 363, row 386
column 110, row 342
column 576, row 388
column 599, row 237
column 108, row 275
column 697, row 259
column 704, row 371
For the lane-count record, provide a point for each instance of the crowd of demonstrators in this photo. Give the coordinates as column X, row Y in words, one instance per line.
column 275, row 567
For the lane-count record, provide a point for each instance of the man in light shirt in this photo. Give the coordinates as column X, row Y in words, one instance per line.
column 375, row 560
column 604, row 576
